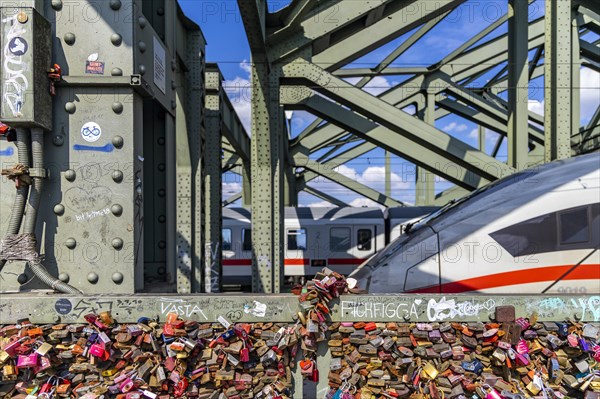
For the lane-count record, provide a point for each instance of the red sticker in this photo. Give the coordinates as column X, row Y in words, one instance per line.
column 94, row 67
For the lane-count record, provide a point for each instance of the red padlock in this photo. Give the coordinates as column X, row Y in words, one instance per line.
column 180, row 387
column 315, row 374
column 244, row 355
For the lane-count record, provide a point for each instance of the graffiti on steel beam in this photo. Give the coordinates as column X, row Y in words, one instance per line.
column 15, row 83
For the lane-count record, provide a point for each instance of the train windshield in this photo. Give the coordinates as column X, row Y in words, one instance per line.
column 479, row 193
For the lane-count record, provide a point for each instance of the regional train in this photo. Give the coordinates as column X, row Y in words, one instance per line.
column 338, row 238
column 536, row 231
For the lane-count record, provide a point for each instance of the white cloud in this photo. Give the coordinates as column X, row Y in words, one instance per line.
column 239, row 91
column 320, row 204
column 376, row 86
column 455, row 127
column 360, row 202
column 229, row 189
column 590, row 93
column 536, row 106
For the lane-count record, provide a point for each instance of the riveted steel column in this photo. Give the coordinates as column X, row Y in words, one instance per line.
column 212, row 184
column 518, row 79
column 425, row 189
column 246, row 187
column 195, row 62
column 267, row 180
column 558, row 58
column 388, row 174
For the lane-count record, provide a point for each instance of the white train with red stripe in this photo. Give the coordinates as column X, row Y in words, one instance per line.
column 339, row 238
column 537, row 231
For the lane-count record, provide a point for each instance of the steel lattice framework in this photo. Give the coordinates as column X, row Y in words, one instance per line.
column 301, row 59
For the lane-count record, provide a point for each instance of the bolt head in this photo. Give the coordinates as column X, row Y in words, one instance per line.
column 70, row 175
column 59, row 209
column 71, row 243
column 58, row 140
column 117, row 176
column 92, row 277
column 116, row 210
column 70, row 107
column 117, row 277
column 142, row 69
column 117, row 141
column 117, row 243
column 57, row 5
column 142, row 46
column 115, row 4
column 116, row 39
column 22, row 278
column 64, row 277
column 143, row 22
column 69, row 38
column 117, row 107
column 116, row 72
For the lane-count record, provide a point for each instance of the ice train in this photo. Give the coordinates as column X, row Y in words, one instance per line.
column 537, row 231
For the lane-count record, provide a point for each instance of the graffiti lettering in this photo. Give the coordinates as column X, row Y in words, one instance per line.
column 15, row 83
column 449, row 309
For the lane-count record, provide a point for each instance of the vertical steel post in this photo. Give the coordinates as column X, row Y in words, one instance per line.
column 246, row 186
column 267, row 179
column 425, row 189
column 212, row 183
column 388, row 174
column 481, row 137
column 518, row 81
column 558, row 80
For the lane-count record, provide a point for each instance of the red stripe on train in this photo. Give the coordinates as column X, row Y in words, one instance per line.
column 535, row 275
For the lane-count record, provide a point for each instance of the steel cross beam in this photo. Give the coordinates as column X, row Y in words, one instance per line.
column 302, row 186
column 388, row 139
column 385, row 114
column 351, row 184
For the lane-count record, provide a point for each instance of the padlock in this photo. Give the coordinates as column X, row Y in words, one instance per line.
column 97, row 350
column 27, row 361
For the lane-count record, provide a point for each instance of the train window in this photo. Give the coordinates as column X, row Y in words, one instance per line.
column 574, row 227
column 363, row 239
column 339, row 239
column 296, row 239
column 548, row 233
column 226, row 237
column 246, row 239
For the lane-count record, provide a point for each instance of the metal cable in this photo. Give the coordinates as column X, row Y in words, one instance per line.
column 16, row 216
column 36, row 266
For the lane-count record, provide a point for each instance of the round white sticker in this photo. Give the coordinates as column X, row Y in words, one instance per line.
column 91, row 132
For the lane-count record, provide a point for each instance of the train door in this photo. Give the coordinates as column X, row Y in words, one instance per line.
column 340, row 246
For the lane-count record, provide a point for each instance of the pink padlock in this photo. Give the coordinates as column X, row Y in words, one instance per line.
column 522, row 347
column 44, row 364
column 12, row 347
column 491, row 393
column 27, row 361
column 572, row 339
column 97, row 350
column 126, row 385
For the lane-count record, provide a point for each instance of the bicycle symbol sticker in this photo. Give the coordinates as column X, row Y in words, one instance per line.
column 91, row 132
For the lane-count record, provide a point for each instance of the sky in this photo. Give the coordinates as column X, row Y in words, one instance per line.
column 227, row 45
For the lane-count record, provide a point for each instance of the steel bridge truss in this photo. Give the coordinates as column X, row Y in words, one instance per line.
column 303, row 55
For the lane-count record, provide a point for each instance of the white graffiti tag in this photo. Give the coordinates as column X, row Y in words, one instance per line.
column 449, row 309
column 15, row 83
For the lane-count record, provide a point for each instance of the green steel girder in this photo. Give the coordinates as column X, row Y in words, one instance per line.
column 341, row 159
column 320, row 23
column 230, row 200
column 351, row 184
column 500, row 114
column 234, row 131
column 254, row 14
column 302, row 186
column 404, row 19
column 518, row 84
column 452, row 150
column 213, row 179
column 390, row 140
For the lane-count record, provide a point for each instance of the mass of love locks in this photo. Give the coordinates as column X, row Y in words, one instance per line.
column 184, row 358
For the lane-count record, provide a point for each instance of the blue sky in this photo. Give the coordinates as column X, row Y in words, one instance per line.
column 227, row 45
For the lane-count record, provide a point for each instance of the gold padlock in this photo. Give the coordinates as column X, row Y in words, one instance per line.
column 430, row 370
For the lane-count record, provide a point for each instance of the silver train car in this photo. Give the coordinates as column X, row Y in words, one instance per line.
column 537, row 231
column 338, row 238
